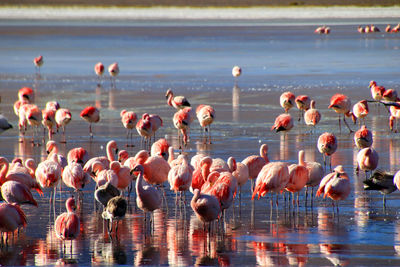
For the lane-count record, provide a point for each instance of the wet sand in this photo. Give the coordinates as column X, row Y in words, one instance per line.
column 363, row 233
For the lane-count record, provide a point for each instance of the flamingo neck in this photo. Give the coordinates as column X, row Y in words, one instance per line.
column 205, row 171
column 171, row 155
column 139, row 184
column 301, row 158
column 110, row 154
column 4, row 169
column 264, row 153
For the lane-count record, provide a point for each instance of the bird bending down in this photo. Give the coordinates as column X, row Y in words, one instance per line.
column 113, row 70
column 206, row 207
column 63, row 117
column 363, row 137
column 283, row 122
column 381, row 181
column 38, row 61
column 115, row 211
column 360, row 111
column 91, row 115
column 178, row 102
column 367, row 159
column 99, row 70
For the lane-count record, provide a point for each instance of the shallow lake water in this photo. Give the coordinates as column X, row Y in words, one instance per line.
column 196, row 61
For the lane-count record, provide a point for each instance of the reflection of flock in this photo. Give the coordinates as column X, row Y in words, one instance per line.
column 213, row 182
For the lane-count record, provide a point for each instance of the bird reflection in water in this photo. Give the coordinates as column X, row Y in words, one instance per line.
column 235, row 103
column 177, row 242
column 108, row 252
column 97, row 102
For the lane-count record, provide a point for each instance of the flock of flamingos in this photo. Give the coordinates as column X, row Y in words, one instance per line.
column 213, row 182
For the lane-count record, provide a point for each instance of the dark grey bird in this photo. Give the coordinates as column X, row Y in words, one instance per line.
column 381, row 181
column 4, row 125
column 115, row 211
column 106, row 192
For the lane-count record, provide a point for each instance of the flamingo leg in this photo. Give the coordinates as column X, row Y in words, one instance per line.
column 345, row 122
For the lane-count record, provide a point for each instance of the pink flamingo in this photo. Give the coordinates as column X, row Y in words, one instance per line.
column 206, row 207
column 298, row 176
column 52, row 148
column 273, row 177
column 360, row 29
column 161, row 148
column 26, row 94
column 256, row 162
column 12, row 217
column 178, row 102
column 128, row 119
column 283, row 122
column 315, row 175
column 363, row 137
column 124, row 177
column 156, row 123
column 376, row 91
column 156, row 169
column 236, row 71
column 67, row 225
column 367, row 159
column 388, row 28
column 374, row 28
column 205, row 114
column 78, row 155
column 29, row 114
column 320, row 30
column 287, row 100
column 312, row 116
column 113, row 70
column 18, row 193
column 341, row 104
column 123, row 155
column 360, row 111
column 240, row 171
column 99, row 69
column 148, row 198
column 303, row 104
column 16, row 175
column 48, row 121
column 390, row 95
column 111, row 149
column 48, row 173
column 327, row 145
column 219, row 165
column 335, row 185
column 38, row 61
column 396, row 180
column 394, row 116
column 180, row 176
column 91, row 115
column 63, row 117
column 73, row 176
column 145, row 129
column 182, row 120
column 201, row 173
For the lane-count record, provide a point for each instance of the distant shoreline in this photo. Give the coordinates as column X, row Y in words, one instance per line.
column 196, row 13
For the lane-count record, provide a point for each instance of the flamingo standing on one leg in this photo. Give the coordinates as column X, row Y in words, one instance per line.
column 341, row 104
column 236, row 72
column 99, row 70
column 178, row 102
column 128, row 119
column 283, row 122
column 201, row 173
column 180, row 176
column 327, row 145
column 363, row 137
column 67, row 224
column 312, row 116
column 113, row 69
column 367, row 159
column 48, row 173
column 206, row 115
column 303, row 104
column 255, row 163
column 376, row 91
column 240, row 171
column 38, row 61
column 206, row 207
column 287, row 100
column 360, row 111
column 91, row 115
column 63, row 117
column 145, row 129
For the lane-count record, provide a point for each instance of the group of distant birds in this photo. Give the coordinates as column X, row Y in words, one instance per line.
column 213, row 181
column 366, row 29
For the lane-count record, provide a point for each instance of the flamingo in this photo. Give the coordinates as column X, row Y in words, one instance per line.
column 206, row 114
column 374, row 28
column 32, row 117
column 255, row 163
column 396, row 180
column 123, row 155
column 115, row 211
column 91, row 115
column 48, row 173
column 124, row 177
column 18, row 193
column 219, row 165
column 273, row 177
column 161, row 148
column 360, row 111
column 38, row 61
column 390, row 95
column 360, row 29
column 341, row 104
column 312, row 116
column 201, row 173
column 178, row 102
column 315, row 175
column 394, row 115
column 73, row 176
column 111, row 149
column 4, row 124
column 381, row 181
column 320, row 30
column 327, row 145
column 63, row 117
column 148, row 198
column 363, row 137
column 105, row 192
column 156, row 169
column 78, row 155
column 12, row 217
column 52, row 148
column 283, row 122
column 376, row 91
column 287, row 100
column 156, row 123
column 145, row 129
column 367, row 159
column 236, row 71
column 23, row 177
column 67, row 225
column 113, row 70
column 206, row 207
column 303, row 104
column 182, row 120
column 335, row 185
column 180, row 176
column 48, row 121
column 240, row 171
column 128, row 119
column 298, row 176
column 99, row 69
column 388, row 28
column 26, row 94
